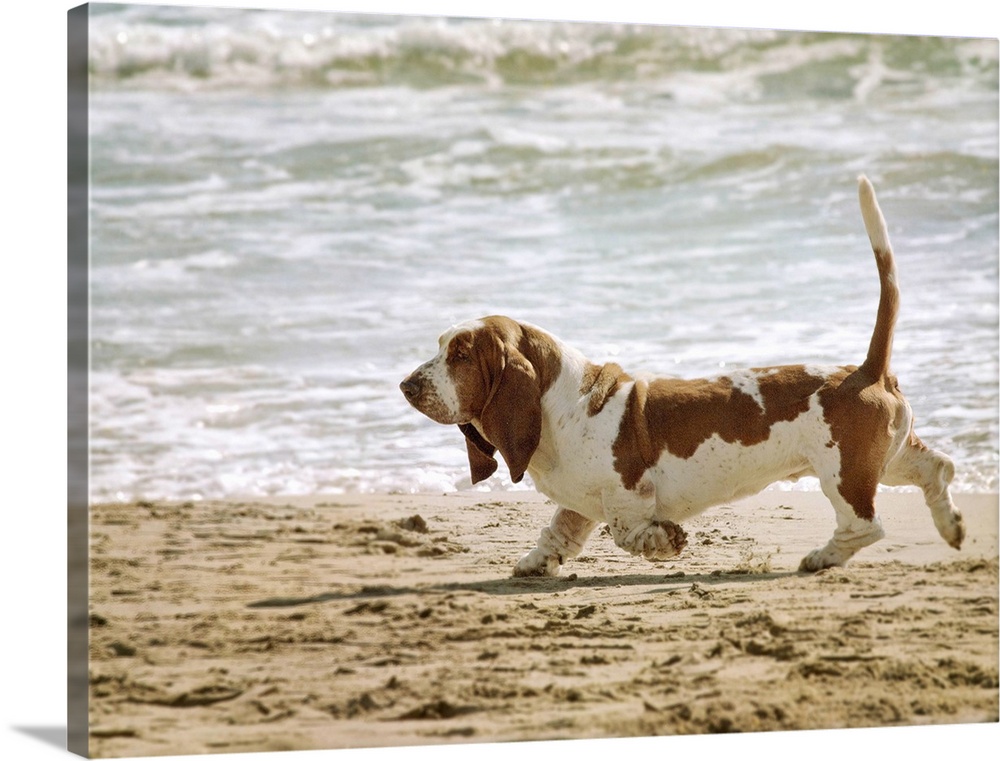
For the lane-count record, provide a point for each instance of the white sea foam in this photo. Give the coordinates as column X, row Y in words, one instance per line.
column 268, row 262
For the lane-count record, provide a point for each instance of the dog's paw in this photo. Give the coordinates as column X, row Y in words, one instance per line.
column 538, row 563
column 822, row 558
column 656, row 540
column 846, row 541
column 951, row 527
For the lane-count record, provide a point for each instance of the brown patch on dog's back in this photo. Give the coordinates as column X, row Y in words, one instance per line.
column 679, row 415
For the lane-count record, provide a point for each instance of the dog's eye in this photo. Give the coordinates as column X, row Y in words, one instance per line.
column 459, row 351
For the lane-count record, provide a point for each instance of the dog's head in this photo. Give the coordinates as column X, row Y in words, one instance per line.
column 488, row 375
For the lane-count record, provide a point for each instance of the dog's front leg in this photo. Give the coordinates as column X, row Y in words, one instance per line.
column 562, row 539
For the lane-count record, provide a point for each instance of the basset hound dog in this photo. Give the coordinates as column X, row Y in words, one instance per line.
column 643, row 454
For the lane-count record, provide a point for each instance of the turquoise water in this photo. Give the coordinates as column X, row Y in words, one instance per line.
column 288, row 208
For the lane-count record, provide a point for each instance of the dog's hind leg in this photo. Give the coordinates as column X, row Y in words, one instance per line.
column 852, row 534
column 852, row 495
column 561, row 540
column 932, row 471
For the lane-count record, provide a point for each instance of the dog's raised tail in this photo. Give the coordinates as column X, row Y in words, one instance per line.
column 880, row 348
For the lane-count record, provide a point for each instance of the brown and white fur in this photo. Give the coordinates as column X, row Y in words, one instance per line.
column 644, row 454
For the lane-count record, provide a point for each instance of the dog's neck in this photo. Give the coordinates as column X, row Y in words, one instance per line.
column 581, row 391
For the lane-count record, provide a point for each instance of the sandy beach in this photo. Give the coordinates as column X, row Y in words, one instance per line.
column 388, row 620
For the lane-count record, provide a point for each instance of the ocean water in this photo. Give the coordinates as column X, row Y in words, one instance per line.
column 288, row 208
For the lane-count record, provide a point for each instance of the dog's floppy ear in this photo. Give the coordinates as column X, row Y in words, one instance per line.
column 482, row 463
column 512, row 418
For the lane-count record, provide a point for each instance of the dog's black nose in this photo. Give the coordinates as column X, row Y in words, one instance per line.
column 410, row 388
